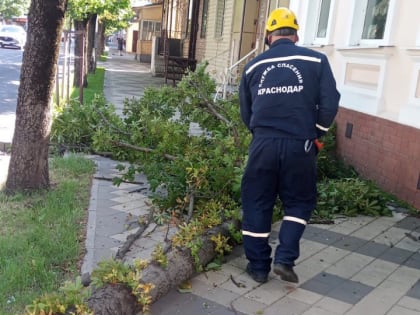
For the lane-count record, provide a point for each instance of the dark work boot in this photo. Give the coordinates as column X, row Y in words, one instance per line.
column 286, row 273
column 260, row 276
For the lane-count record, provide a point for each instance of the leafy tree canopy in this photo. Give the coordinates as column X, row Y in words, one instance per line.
column 114, row 14
column 117, row 19
column 13, row 8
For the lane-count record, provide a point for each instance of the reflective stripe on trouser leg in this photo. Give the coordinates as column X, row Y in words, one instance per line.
column 258, row 195
column 298, row 196
column 291, row 231
column 257, row 251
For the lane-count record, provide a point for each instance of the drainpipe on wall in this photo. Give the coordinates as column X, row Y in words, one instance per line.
column 194, row 29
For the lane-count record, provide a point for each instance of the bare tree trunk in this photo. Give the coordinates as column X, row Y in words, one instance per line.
column 79, row 53
column 90, row 51
column 28, row 168
column 100, row 40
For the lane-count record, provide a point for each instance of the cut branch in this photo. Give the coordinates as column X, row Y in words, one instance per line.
column 109, row 179
column 141, row 149
column 107, row 122
column 212, row 108
column 133, row 237
column 190, row 206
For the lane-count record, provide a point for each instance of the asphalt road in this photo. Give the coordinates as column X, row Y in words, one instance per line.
column 10, row 64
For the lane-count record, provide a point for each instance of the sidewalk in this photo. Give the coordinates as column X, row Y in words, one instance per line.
column 114, row 211
column 357, row 266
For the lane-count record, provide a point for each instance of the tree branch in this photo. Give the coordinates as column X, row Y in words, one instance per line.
column 190, row 206
column 212, row 109
column 133, row 237
column 110, row 124
column 141, row 149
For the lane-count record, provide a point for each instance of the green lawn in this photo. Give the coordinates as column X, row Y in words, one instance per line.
column 95, row 86
column 42, row 234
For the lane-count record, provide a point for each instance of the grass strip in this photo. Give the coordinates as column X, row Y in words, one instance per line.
column 95, row 86
column 42, row 235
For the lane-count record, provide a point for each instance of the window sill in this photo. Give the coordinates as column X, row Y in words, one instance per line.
column 326, row 49
column 360, row 47
column 414, row 52
column 312, row 45
column 376, row 52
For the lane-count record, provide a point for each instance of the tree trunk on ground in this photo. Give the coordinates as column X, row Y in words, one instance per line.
column 28, row 168
column 119, row 299
column 91, row 54
column 115, row 300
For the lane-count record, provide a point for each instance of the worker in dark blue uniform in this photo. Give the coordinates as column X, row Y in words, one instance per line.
column 288, row 100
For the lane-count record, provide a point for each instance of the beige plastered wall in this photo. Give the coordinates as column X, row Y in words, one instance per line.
column 218, row 49
column 378, row 123
column 381, row 81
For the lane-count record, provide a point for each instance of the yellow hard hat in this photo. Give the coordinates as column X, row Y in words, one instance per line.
column 281, row 17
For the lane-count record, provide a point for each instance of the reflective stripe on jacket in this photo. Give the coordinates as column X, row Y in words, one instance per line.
column 290, row 89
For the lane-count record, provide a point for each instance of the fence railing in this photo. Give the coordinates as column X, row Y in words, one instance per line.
column 231, row 75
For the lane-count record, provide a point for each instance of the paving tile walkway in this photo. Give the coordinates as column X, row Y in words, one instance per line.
column 357, row 266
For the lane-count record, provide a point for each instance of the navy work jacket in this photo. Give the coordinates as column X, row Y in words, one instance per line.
column 290, row 90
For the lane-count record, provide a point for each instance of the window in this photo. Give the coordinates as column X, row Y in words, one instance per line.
column 189, row 18
column 219, row 18
column 149, row 29
column 316, row 27
column 323, row 19
column 204, row 19
column 375, row 19
column 278, row 3
column 372, row 23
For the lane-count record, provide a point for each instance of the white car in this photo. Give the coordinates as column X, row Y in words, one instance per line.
column 12, row 35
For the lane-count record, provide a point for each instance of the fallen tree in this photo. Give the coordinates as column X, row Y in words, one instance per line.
column 118, row 299
column 195, row 177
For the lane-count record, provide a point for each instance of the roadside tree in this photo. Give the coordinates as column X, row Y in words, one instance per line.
column 13, row 8
column 28, row 168
column 111, row 21
column 85, row 14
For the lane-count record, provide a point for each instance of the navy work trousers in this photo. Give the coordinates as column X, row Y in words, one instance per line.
column 276, row 168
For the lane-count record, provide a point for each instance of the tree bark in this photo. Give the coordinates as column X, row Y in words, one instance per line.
column 100, row 40
column 90, row 44
column 123, row 302
column 113, row 300
column 28, row 168
column 80, row 53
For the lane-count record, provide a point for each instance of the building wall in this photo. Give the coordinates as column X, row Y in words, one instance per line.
column 145, row 13
column 382, row 150
column 379, row 82
column 144, row 47
column 129, row 36
column 218, row 50
column 201, row 41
